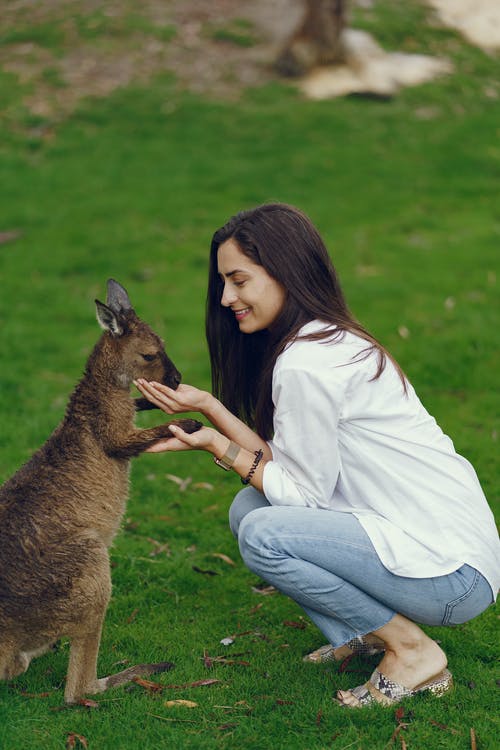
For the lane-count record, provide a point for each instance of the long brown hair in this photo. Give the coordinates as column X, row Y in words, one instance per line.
column 285, row 242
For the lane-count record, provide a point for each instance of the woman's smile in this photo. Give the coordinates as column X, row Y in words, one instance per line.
column 240, row 314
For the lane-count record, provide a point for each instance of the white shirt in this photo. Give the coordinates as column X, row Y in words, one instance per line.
column 348, row 443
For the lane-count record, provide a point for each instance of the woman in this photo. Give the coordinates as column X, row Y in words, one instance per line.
column 356, row 504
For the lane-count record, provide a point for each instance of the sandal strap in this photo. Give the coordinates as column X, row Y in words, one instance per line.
column 363, row 695
column 358, row 646
column 393, row 691
column 390, row 692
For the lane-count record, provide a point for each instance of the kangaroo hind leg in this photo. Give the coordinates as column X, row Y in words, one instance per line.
column 13, row 661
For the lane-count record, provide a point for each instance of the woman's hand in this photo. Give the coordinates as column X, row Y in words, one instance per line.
column 185, row 398
column 205, row 439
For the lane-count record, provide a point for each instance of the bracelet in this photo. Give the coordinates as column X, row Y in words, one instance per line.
column 258, row 457
column 229, row 457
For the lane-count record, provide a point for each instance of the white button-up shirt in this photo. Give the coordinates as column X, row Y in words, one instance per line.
column 345, row 442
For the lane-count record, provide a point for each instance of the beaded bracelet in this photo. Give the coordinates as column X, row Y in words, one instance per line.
column 258, row 457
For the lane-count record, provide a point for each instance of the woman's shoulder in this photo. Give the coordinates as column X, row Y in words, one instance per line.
column 335, row 348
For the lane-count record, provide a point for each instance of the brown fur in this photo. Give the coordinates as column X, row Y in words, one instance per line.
column 60, row 512
column 316, row 41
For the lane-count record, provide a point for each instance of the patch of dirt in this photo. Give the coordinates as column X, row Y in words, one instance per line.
column 86, row 48
column 66, row 50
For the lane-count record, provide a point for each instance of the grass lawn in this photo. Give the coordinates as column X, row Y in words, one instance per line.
column 406, row 194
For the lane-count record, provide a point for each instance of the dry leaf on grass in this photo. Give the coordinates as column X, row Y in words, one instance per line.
column 72, row 739
column 152, row 687
column 264, row 590
column 35, row 695
column 180, row 702
column 183, row 484
column 345, row 663
column 87, row 703
column 197, row 683
column 209, row 661
column 294, row 624
column 444, row 727
column 396, row 732
column 210, row 508
column 9, row 236
column 159, row 547
column 132, row 615
column 223, row 557
column 205, row 572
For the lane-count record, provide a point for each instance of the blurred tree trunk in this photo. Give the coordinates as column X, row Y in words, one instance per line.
column 316, row 41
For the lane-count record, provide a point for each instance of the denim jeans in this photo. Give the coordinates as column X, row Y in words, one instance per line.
column 325, row 561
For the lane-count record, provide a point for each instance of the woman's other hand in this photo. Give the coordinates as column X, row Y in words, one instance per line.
column 205, row 439
column 185, row 398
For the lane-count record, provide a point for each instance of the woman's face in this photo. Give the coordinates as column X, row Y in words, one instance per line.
column 255, row 298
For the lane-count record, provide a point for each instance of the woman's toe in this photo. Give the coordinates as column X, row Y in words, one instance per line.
column 347, row 698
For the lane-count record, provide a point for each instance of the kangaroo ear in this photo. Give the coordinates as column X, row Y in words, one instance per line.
column 117, row 298
column 108, row 319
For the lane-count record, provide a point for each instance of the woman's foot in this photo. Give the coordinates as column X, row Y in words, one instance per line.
column 366, row 646
column 380, row 689
column 410, row 662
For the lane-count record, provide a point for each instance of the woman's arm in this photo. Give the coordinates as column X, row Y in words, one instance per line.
column 214, row 442
column 187, row 398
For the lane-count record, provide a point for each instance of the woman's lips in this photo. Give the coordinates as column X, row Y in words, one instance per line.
column 240, row 314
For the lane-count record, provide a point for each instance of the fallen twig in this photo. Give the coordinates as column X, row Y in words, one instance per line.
column 445, row 727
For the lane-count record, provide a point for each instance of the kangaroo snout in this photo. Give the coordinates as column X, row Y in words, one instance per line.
column 173, row 380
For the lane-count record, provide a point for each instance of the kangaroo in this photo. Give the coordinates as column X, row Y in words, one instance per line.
column 60, row 512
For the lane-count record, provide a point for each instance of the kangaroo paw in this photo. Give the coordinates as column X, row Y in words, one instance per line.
column 142, row 404
column 188, row 425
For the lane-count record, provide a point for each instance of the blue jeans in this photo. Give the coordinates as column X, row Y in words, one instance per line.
column 325, row 561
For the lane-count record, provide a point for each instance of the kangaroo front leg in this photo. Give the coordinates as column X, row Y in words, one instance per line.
column 142, row 404
column 137, row 441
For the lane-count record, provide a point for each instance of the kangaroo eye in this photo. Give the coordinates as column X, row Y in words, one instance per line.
column 149, row 357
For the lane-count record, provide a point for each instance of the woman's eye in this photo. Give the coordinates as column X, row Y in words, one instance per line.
column 149, row 357
column 238, row 283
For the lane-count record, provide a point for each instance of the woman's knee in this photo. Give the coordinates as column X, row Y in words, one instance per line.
column 254, row 533
column 246, row 500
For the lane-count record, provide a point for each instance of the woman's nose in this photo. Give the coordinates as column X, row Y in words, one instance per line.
column 229, row 296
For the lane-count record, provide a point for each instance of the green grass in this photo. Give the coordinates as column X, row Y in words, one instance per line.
column 238, row 31
column 133, row 187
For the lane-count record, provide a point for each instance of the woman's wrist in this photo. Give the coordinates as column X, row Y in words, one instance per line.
column 219, row 446
column 212, row 407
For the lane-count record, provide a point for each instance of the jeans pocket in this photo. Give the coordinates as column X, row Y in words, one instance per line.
column 471, row 603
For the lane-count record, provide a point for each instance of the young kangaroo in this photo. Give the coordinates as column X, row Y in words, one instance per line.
column 60, row 511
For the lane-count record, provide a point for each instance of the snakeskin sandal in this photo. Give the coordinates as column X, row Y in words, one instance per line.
column 358, row 646
column 391, row 692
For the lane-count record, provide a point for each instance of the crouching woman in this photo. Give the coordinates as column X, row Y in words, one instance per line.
column 355, row 504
